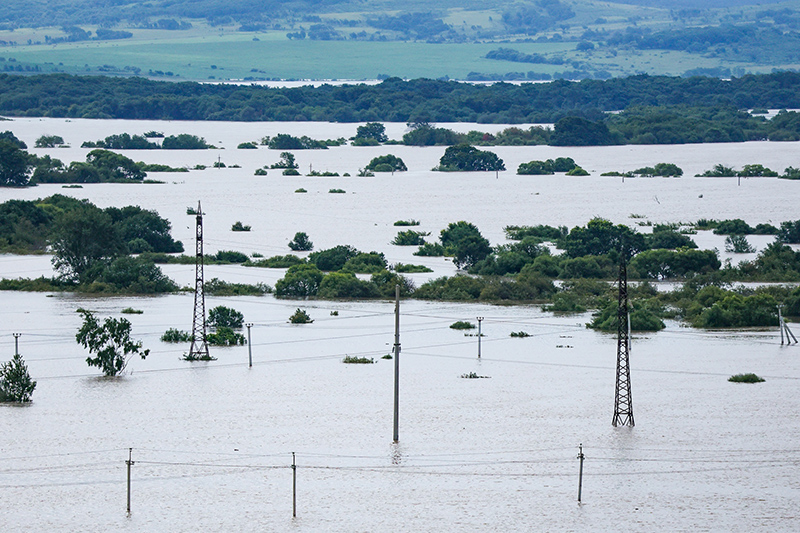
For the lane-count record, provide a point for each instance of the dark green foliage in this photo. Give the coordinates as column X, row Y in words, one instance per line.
column 230, row 256
column 136, row 224
column 132, row 275
column 225, row 336
column 527, row 287
column 15, row 165
column 175, row 336
column 561, row 164
column 247, row 146
column 49, row 141
column 334, row 258
column 641, row 319
column 345, row 285
column 730, row 310
column 337, row 191
column 386, row 281
column 16, row 384
column 372, row 130
column 238, row 226
column 596, row 267
column 465, row 242
column 668, row 264
column 520, row 334
column 278, row 261
column 222, row 316
column 543, row 232
column 291, row 172
column 301, row 242
column 10, row 137
column 737, row 226
column 386, row 163
column 461, row 324
column 286, row 161
column 156, row 167
column 791, row 173
column 719, row 171
column 284, row 141
column 109, row 344
column 217, row 287
column 789, row 232
column 349, row 359
column 410, row 269
column 410, row 238
column 430, row 249
column 131, row 311
column 123, row 141
column 578, row 171
column 300, row 317
column 427, row 135
column 84, row 239
column 746, row 378
column 576, row 131
column 600, row 237
column 114, row 165
column 463, row 157
column 365, row 263
column 411, row 222
column 738, row 244
column 668, row 239
column 300, row 281
column 184, row 141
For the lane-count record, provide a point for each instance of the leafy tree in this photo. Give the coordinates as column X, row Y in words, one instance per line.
column 346, row 285
column 372, row 130
column 334, row 258
column 385, row 281
column 109, row 342
column 225, row 317
column 10, row 137
column 133, row 222
column 387, row 163
column 641, row 319
column 115, row 165
column 738, row 244
column 365, row 263
column 49, row 141
column 666, row 264
column 16, row 384
column 789, row 232
column 470, row 250
column 15, row 164
column 668, row 239
column 599, row 237
column 184, row 141
column 300, row 281
column 463, row 157
column 286, row 161
column 576, row 131
column 84, row 240
column 301, row 242
column 136, row 275
column 736, row 226
column 410, row 238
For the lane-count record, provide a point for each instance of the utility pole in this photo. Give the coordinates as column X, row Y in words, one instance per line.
column 580, row 474
column 249, row 344
column 623, row 402
column 294, row 487
column 480, row 319
column 129, row 462
column 396, row 363
column 199, row 347
column 18, row 335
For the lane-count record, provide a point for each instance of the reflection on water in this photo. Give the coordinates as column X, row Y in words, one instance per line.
column 212, row 441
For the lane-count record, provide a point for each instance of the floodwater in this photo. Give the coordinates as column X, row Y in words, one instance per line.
column 212, row 442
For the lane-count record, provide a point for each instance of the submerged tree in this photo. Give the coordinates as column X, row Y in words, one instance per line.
column 110, row 343
column 16, row 384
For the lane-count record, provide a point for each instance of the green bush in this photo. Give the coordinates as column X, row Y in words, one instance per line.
column 337, row 191
column 176, row 335
column 230, row 256
column 238, row 226
column 461, row 324
column 746, row 378
column 277, row 261
column 410, row 238
column 386, row 163
column 131, row 311
column 348, row 359
column 225, row 317
column 345, row 285
column 300, row 317
column 300, row 281
column 301, row 242
column 225, row 336
column 402, row 268
column 247, row 146
column 411, row 222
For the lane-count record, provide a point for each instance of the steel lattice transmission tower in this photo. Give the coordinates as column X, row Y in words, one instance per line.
column 623, row 403
column 199, row 348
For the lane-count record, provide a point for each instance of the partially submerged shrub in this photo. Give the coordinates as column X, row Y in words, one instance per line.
column 300, row 317
column 358, row 360
column 176, row 335
column 461, row 324
column 746, row 378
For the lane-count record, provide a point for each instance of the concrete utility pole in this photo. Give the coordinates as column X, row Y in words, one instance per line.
column 249, row 344
column 396, row 436
column 580, row 474
column 16, row 342
column 294, row 486
column 480, row 319
column 129, row 462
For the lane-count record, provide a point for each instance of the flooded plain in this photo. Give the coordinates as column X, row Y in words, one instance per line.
column 212, row 442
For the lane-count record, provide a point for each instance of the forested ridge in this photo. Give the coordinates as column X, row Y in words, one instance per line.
column 393, row 100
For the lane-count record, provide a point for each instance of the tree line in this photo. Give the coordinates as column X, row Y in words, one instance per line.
column 393, row 100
